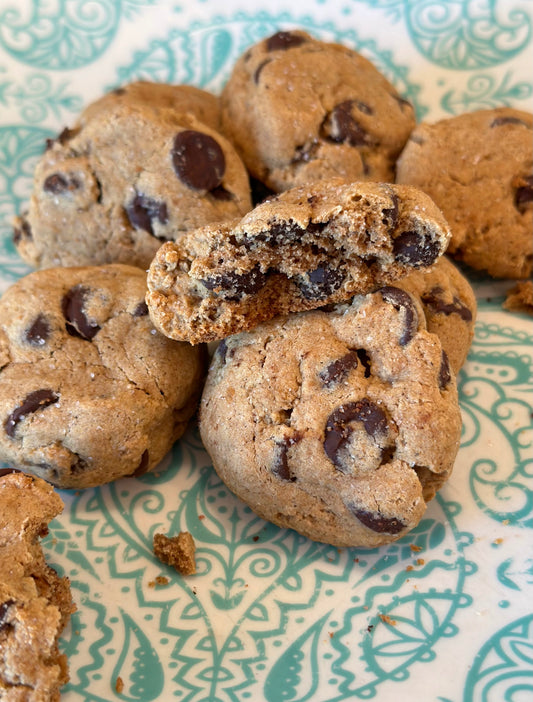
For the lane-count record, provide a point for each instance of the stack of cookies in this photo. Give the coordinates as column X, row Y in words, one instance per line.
column 299, row 222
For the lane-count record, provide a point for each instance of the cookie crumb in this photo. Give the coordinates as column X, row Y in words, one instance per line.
column 119, row 685
column 176, row 551
column 413, row 547
column 520, row 297
column 387, row 620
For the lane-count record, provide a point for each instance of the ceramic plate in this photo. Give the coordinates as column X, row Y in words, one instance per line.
column 443, row 615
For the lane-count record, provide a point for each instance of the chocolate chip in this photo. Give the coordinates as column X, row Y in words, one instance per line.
column 364, row 359
column 143, row 465
column 39, row 331
column 77, row 323
column 277, row 234
column 8, row 471
column 339, row 425
column 413, row 249
column 390, row 214
column 499, row 121
column 445, row 374
column 341, row 127
column 281, row 466
column 142, row 211
column 59, row 183
column 377, row 522
column 118, row 91
column 258, row 70
column 141, row 310
column 524, row 194
column 320, row 283
column 304, row 153
column 281, row 41
column 233, row 285
column 434, row 301
column 22, row 232
column 63, row 137
column 401, row 300
column 338, row 370
column 198, row 160
column 221, row 194
column 38, row 399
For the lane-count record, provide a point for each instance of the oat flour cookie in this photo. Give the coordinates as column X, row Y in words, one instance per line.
column 35, row 603
column 305, row 248
column 300, row 109
column 340, row 424
column 449, row 305
column 89, row 391
column 478, row 168
column 156, row 96
column 131, row 178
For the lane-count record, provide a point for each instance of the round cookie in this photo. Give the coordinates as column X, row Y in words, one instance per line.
column 89, row 390
column 449, row 305
column 340, row 424
column 132, row 177
column 35, row 603
column 300, row 109
column 478, row 168
column 305, row 248
column 156, row 96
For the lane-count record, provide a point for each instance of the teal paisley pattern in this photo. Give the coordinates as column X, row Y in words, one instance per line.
column 270, row 615
column 464, row 34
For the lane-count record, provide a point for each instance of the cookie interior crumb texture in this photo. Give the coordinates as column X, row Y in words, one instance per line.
column 35, row 603
column 176, row 551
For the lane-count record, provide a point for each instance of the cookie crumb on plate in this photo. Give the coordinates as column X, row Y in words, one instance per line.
column 176, row 551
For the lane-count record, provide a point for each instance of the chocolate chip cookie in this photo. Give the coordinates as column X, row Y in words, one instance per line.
column 307, row 247
column 130, row 178
column 339, row 423
column 478, row 168
column 89, row 390
column 300, row 109
column 449, row 305
column 156, row 96
column 35, row 603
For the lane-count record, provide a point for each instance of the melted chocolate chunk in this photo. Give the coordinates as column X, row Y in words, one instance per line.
column 524, row 194
column 338, row 370
column 198, row 160
column 433, row 300
column 341, row 127
column 413, row 249
column 39, row 331
column 59, row 183
column 8, row 471
column 36, row 400
column 445, row 374
column 233, row 285
column 401, row 300
column 143, row 465
column 320, row 283
column 22, row 232
column 499, row 121
column 281, row 466
column 390, row 214
column 339, row 426
column 281, row 41
column 377, row 522
column 63, row 137
column 143, row 210
column 221, row 194
column 141, row 310
column 77, row 323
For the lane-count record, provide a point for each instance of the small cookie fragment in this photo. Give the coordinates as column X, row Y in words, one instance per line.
column 478, row 168
column 176, row 551
column 302, row 249
column 300, row 109
column 520, row 297
column 131, row 177
column 340, row 423
column 35, row 603
column 89, row 390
